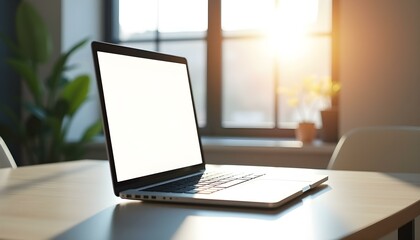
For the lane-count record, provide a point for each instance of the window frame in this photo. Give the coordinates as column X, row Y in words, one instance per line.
column 214, row 41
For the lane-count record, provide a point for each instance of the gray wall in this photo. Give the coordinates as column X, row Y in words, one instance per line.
column 379, row 62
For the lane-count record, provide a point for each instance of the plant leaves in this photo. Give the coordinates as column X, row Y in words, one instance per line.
column 36, row 111
column 92, row 131
column 42, row 131
column 29, row 76
column 76, row 92
column 55, row 78
column 61, row 108
column 55, row 125
column 33, row 38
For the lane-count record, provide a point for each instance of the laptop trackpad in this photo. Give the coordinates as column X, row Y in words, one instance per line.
column 265, row 190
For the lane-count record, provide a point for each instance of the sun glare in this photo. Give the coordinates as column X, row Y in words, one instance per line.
column 291, row 21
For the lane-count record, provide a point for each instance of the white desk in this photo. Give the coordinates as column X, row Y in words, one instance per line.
column 74, row 200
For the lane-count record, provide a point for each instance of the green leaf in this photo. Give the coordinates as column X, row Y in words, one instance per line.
column 92, row 131
column 29, row 76
column 76, row 92
column 61, row 108
column 55, row 78
column 55, row 126
column 36, row 111
column 33, row 38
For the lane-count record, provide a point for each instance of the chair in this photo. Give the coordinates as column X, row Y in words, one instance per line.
column 6, row 158
column 380, row 149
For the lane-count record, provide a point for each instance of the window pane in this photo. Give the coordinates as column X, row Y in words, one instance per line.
column 138, row 19
column 248, row 85
column 149, row 46
column 265, row 15
column 314, row 62
column 262, row 44
column 141, row 19
column 323, row 21
column 239, row 15
column 188, row 17
column 195, row 52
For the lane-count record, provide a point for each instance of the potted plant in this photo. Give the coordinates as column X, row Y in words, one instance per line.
column 302, row 97
column 53, row 100
column 308, row 97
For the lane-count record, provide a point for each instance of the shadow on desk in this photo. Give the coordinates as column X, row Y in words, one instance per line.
column 137, row 220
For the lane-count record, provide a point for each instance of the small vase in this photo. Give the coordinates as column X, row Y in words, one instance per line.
column 306, row 132
column 329, row 131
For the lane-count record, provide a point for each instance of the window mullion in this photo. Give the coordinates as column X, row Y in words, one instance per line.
column 111, row 16
column 214, row 69
column 276, row 86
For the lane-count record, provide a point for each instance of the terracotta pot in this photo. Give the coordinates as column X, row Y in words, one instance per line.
column 306, row 132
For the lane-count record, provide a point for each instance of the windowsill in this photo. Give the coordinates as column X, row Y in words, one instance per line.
column 281, row 152
column 267, row 152
column 246, row 142
column 274, row 144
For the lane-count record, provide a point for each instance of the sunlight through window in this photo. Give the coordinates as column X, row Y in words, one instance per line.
column 265, row 45
column 141, row 19
column 290, row 25
column 137, row 18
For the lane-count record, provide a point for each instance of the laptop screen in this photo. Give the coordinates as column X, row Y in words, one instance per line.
column 150, row 113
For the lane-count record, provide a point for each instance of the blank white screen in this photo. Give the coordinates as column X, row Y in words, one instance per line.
column 150, row 115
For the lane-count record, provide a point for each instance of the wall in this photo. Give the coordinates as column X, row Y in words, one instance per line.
column 379, row 63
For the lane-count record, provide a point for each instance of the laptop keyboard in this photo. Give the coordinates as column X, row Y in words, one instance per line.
column 206, row 183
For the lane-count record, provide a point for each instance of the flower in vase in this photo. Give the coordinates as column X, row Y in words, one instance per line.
column 308, row 96
column 326, row 89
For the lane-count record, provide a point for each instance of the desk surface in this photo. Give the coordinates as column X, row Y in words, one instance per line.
column 74, row 200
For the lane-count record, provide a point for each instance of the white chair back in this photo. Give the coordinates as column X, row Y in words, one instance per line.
column 381, row 149
column 6, row 158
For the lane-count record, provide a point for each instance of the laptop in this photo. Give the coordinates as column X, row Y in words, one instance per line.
column 153, row 143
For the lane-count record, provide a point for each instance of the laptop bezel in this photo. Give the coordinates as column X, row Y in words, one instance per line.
column 120, row 186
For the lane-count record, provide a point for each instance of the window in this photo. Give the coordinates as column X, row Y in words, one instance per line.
column 240, row 54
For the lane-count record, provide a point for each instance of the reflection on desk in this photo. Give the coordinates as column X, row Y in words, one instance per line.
column 135, row 219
